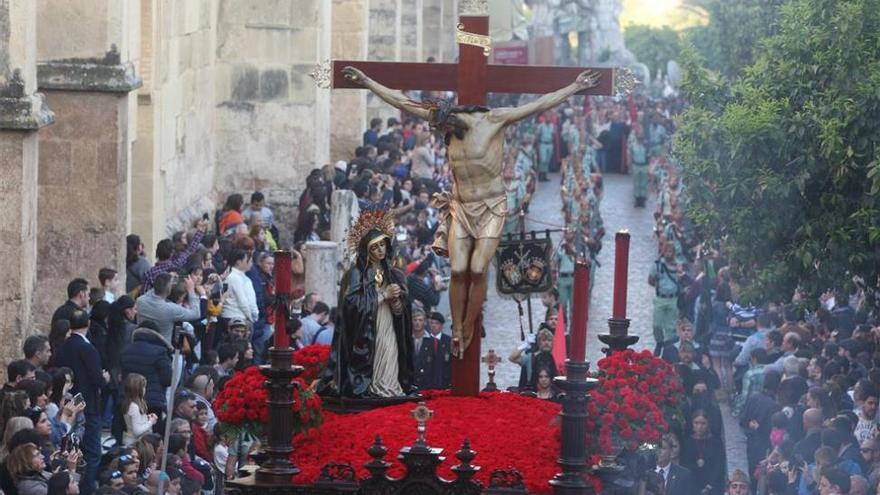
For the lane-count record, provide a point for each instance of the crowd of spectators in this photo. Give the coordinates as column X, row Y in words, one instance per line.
column 803, row 384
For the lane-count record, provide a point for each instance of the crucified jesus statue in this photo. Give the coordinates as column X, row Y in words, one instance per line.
column 477, row 206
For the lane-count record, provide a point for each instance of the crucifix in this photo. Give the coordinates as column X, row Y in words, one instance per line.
column 475, row 136
column 491, row 359
column 422, row 414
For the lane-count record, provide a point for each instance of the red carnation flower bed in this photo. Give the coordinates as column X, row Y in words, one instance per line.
column 313, row 358
column 506, row 430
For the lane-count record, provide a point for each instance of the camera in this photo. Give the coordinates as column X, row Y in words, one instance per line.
column 177, row 336
column 69, row 442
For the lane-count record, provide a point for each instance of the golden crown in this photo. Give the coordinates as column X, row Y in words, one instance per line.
column 380, row 220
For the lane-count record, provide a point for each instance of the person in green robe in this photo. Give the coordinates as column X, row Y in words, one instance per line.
column 638, row 155
column 516, row 181
column 545, row 147
column 665, row 277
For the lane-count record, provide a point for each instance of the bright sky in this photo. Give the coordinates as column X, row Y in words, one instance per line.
column 656, row 13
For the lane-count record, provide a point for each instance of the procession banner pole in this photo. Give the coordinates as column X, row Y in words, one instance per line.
column 522, row 237
column 169, row 412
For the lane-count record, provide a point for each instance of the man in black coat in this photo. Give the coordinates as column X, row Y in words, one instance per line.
column 421, row 339
column 676, row 479
column 812, row 421
column 77, row 299
column 755, row 419
column 149, row 354
column 434, row 356
column 78, row 354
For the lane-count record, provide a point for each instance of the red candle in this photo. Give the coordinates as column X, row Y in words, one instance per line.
column 621, row 267
column 283, row 284
column 580, row 305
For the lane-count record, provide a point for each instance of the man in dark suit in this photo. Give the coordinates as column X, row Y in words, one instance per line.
column 420, row 337
column 77, row 299
column 434, row 356
column 755, row 419
column 676, row 479
column 80, row 355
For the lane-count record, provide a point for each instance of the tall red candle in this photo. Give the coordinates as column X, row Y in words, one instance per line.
column 621, row 267
column 283, row 285
column 580, row 309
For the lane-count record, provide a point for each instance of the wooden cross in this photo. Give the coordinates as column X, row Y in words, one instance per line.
column 422, row 415
column 472, row 78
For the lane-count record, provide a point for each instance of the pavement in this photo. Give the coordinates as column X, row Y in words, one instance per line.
column 618, row 212
column 500, row 314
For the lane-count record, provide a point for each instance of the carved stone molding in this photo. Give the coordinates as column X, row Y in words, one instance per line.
column 21, row 111
column 103, row 75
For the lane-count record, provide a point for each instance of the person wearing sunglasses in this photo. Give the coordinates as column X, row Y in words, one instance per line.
column 128, row 466
column 116, row 481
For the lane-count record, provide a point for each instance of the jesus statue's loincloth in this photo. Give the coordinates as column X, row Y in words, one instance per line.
column 481, row 219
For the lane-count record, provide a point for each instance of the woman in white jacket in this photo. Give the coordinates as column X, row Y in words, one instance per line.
column 137, row 420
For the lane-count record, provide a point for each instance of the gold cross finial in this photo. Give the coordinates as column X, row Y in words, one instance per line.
column 491, row 359
column 422, row 415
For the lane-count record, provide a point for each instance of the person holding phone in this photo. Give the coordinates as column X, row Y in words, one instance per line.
column 78, row 354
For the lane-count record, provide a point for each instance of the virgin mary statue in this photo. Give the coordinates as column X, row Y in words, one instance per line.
column 372, row 353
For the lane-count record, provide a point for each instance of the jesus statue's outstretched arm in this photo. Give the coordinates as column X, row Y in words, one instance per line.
column 585, row 80
column 391, row 96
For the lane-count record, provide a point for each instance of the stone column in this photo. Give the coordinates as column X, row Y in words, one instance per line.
column 22, row 113
column 322, row 262
column 344, row 212
column 85, row 70
column 348, row 108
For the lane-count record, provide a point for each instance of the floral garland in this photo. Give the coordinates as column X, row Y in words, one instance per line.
column 638, row 398
column 314, row 359
column 241, row 406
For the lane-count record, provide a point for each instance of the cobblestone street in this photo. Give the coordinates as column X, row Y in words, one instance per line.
column 502, row 326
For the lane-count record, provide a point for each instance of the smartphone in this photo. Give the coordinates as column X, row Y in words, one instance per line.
column 78, row 399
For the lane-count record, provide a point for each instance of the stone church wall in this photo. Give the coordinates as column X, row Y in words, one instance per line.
column 409, row 31
column 84, row 53
column 181, row 104
column 265, row 101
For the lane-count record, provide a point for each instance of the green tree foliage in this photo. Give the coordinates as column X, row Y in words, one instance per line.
column 783, row 165
column 653, row 46
column 729, row 41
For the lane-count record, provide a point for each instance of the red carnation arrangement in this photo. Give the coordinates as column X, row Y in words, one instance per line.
column 313, row 358
column 638, row 396
column 241, row 405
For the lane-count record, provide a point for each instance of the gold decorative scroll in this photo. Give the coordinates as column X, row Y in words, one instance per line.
column 625, row 81
column 466, row 38
column 322, row 74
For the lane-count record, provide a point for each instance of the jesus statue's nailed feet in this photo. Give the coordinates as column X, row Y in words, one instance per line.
column 457, row 350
